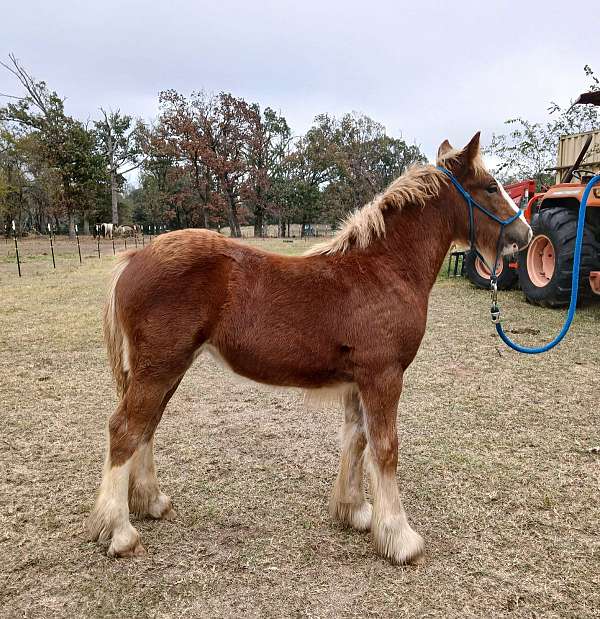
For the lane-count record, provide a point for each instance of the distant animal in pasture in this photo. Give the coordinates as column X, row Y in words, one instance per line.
column 106, row 230
column 348, row 318
column 124, row 231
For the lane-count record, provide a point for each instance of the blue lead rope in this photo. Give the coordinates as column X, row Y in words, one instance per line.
column 574, row 284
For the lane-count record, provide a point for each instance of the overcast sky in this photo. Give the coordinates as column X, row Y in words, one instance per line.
column 427, row 70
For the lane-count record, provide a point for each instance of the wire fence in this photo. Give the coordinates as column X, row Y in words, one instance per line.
column 38, row 252
column 33, row 253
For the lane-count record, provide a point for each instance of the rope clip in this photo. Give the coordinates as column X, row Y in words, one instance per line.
column 494, row 290
column 495, row 312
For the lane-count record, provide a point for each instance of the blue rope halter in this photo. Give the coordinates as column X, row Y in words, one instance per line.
column 495, row 310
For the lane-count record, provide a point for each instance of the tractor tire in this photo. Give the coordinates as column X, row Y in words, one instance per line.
column 479, row 274
column 546, row 265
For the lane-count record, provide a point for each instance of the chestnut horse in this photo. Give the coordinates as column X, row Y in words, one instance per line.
column 350, row 316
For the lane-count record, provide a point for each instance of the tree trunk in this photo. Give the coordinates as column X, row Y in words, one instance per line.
column 201, row 198
column 114, row 195
column 258, row 221
column 234, row 224
column 86, row 223
column 43, row 222
column 203, row 218
column 71, row 223
column 281, row 226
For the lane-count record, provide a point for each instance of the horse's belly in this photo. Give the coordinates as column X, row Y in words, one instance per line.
column 301, row 369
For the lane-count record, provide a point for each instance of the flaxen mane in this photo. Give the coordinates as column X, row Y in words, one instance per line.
column 416, row 186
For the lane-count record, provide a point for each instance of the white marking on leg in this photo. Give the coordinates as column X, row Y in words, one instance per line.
column 146, row 499
column 348, row 503
column 111, row 512
column 393, row 536
column 110, row 516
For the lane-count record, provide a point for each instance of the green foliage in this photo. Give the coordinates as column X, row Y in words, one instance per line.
column 345, row 162
column 52, row 148
column 529, row 149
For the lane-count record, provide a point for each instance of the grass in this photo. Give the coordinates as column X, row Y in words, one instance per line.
column 495, row 471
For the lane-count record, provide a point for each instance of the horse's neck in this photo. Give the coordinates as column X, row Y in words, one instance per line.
column 419, row 239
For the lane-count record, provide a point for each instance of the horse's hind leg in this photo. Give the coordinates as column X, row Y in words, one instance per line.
column 131, row 425
column 348, row 503
column 392, row 534
column 145, row 497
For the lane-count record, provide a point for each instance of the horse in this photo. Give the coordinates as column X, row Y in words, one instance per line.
column 107, row 230
column 124, row 231
column 347, row 317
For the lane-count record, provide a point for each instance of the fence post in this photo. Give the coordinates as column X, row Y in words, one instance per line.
column 98, row 239
column 51, row 246
column 78, row 246
column 16, row 247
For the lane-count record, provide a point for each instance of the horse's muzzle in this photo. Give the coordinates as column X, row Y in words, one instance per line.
column 517, row 240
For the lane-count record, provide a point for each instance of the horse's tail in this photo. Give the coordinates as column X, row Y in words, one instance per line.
column 114, row 338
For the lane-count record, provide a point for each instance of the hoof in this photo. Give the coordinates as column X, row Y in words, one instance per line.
column 126, row 553
column 162, row 509
column 126, row 543
column 399, row 544
column 356, row 516
column 169, row 515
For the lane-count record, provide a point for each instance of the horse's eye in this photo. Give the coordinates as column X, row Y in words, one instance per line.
column 493, row 188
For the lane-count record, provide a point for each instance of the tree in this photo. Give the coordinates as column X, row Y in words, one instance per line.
column 119, row 142
column 268, row 141
column 340, row 164
column 13, row 180
column 529, row 149
column 65, row 144
column 185, row 132
column 227, row 137
column 367, row 160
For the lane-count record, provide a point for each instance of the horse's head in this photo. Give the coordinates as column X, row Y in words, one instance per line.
column 468, row 169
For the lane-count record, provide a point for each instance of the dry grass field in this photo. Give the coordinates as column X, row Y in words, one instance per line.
column 496, row 471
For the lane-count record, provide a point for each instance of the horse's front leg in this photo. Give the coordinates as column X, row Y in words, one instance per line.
column 392, row 535
column 348, row 503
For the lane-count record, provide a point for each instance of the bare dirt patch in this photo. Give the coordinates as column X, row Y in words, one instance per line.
column 496, row 472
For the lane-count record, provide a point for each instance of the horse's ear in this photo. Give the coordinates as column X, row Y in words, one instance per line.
column 471, row 150
column 444, row 148
column 464, row 159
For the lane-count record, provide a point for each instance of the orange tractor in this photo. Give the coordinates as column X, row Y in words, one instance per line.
column 544, row 269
